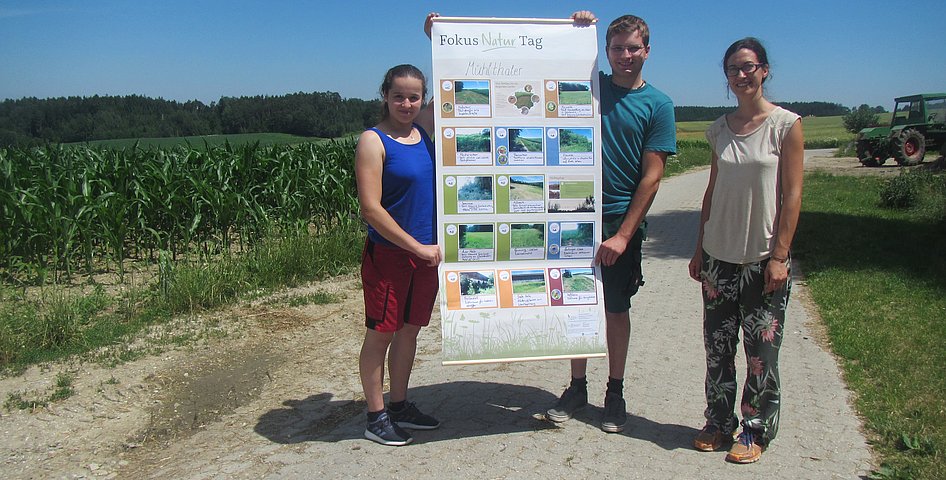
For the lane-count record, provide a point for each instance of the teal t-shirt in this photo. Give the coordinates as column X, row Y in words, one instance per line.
column 632, row 122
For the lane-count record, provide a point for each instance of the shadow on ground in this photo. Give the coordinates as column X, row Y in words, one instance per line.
column 667, row 436
column 488, row 409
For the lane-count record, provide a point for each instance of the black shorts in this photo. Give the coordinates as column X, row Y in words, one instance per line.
column 623, row 278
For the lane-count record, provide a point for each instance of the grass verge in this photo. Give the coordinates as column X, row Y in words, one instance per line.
column 690, row 154
column 876, row 274
column 53, row 324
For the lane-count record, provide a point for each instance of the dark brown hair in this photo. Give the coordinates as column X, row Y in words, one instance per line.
column 404, row 70
column 749, row 43
column 625, row 24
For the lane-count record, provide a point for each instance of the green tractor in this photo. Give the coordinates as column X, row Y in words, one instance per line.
column 918, row 124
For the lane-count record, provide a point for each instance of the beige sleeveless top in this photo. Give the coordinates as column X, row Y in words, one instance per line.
column 746, row 198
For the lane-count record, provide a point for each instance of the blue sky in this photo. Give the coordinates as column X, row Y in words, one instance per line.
column 847, row 52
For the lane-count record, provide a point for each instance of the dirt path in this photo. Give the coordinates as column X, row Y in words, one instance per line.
column 131, row 420
column 823, row 160
column 120, row 419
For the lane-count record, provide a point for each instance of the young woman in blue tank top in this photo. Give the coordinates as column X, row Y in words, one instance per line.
column 394, row 170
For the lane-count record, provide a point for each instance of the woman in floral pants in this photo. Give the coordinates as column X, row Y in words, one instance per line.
column 750, row 212
column 732, row 301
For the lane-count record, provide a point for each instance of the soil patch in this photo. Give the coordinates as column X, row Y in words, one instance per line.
column 120, row 419
column 825, row 161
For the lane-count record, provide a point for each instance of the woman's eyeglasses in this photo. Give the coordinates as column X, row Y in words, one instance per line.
column 747, row 68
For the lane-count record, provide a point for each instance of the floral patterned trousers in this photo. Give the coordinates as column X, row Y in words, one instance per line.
column 733, row 300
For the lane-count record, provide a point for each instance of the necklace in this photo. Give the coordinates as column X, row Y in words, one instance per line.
column 410, row 137
column 392, row 132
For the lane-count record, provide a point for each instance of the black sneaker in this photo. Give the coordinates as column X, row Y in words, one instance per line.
column 615, row 416
column 386, row 432
column 413, row 418
column 572, row 400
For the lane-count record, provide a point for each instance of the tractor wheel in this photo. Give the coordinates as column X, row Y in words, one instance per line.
column 910, row 147
column 866, row 156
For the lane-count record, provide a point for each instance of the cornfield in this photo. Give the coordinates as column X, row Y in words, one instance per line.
column 67, row 208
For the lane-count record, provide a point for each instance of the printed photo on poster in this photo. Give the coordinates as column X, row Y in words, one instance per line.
column 578, row 286
column 476, row 242
column 525, row 146
column 574, row 99
column 569, row 99
column 468, row 194
column 473, row 146
column 571, row 240
column 469, row 242
column 521, row 241
column 571, row 193
column 517, row 146
column 471, row 98
column 477, row 289
column 526, row 194
column 529, row 288
column 465, row 146
column 572, row 146
column 573, row 286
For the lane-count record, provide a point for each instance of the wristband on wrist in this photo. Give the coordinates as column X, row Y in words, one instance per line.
column 779, row 259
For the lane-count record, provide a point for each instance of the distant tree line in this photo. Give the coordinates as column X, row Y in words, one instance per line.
column 805, row 109
column 32, row 121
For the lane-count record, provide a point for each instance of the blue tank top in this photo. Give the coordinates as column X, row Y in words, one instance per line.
column 407, row 187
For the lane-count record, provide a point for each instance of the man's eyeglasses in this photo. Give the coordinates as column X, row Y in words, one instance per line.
column 632, row 49
column 747, row 68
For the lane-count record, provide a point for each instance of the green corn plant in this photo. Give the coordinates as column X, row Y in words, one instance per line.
column 64, row 207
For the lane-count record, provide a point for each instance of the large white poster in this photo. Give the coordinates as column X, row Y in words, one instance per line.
column 519, row 189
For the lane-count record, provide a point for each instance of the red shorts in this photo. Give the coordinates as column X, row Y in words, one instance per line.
column 399, row 288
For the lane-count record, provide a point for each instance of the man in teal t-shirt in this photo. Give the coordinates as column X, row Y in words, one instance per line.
column 637, row 134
